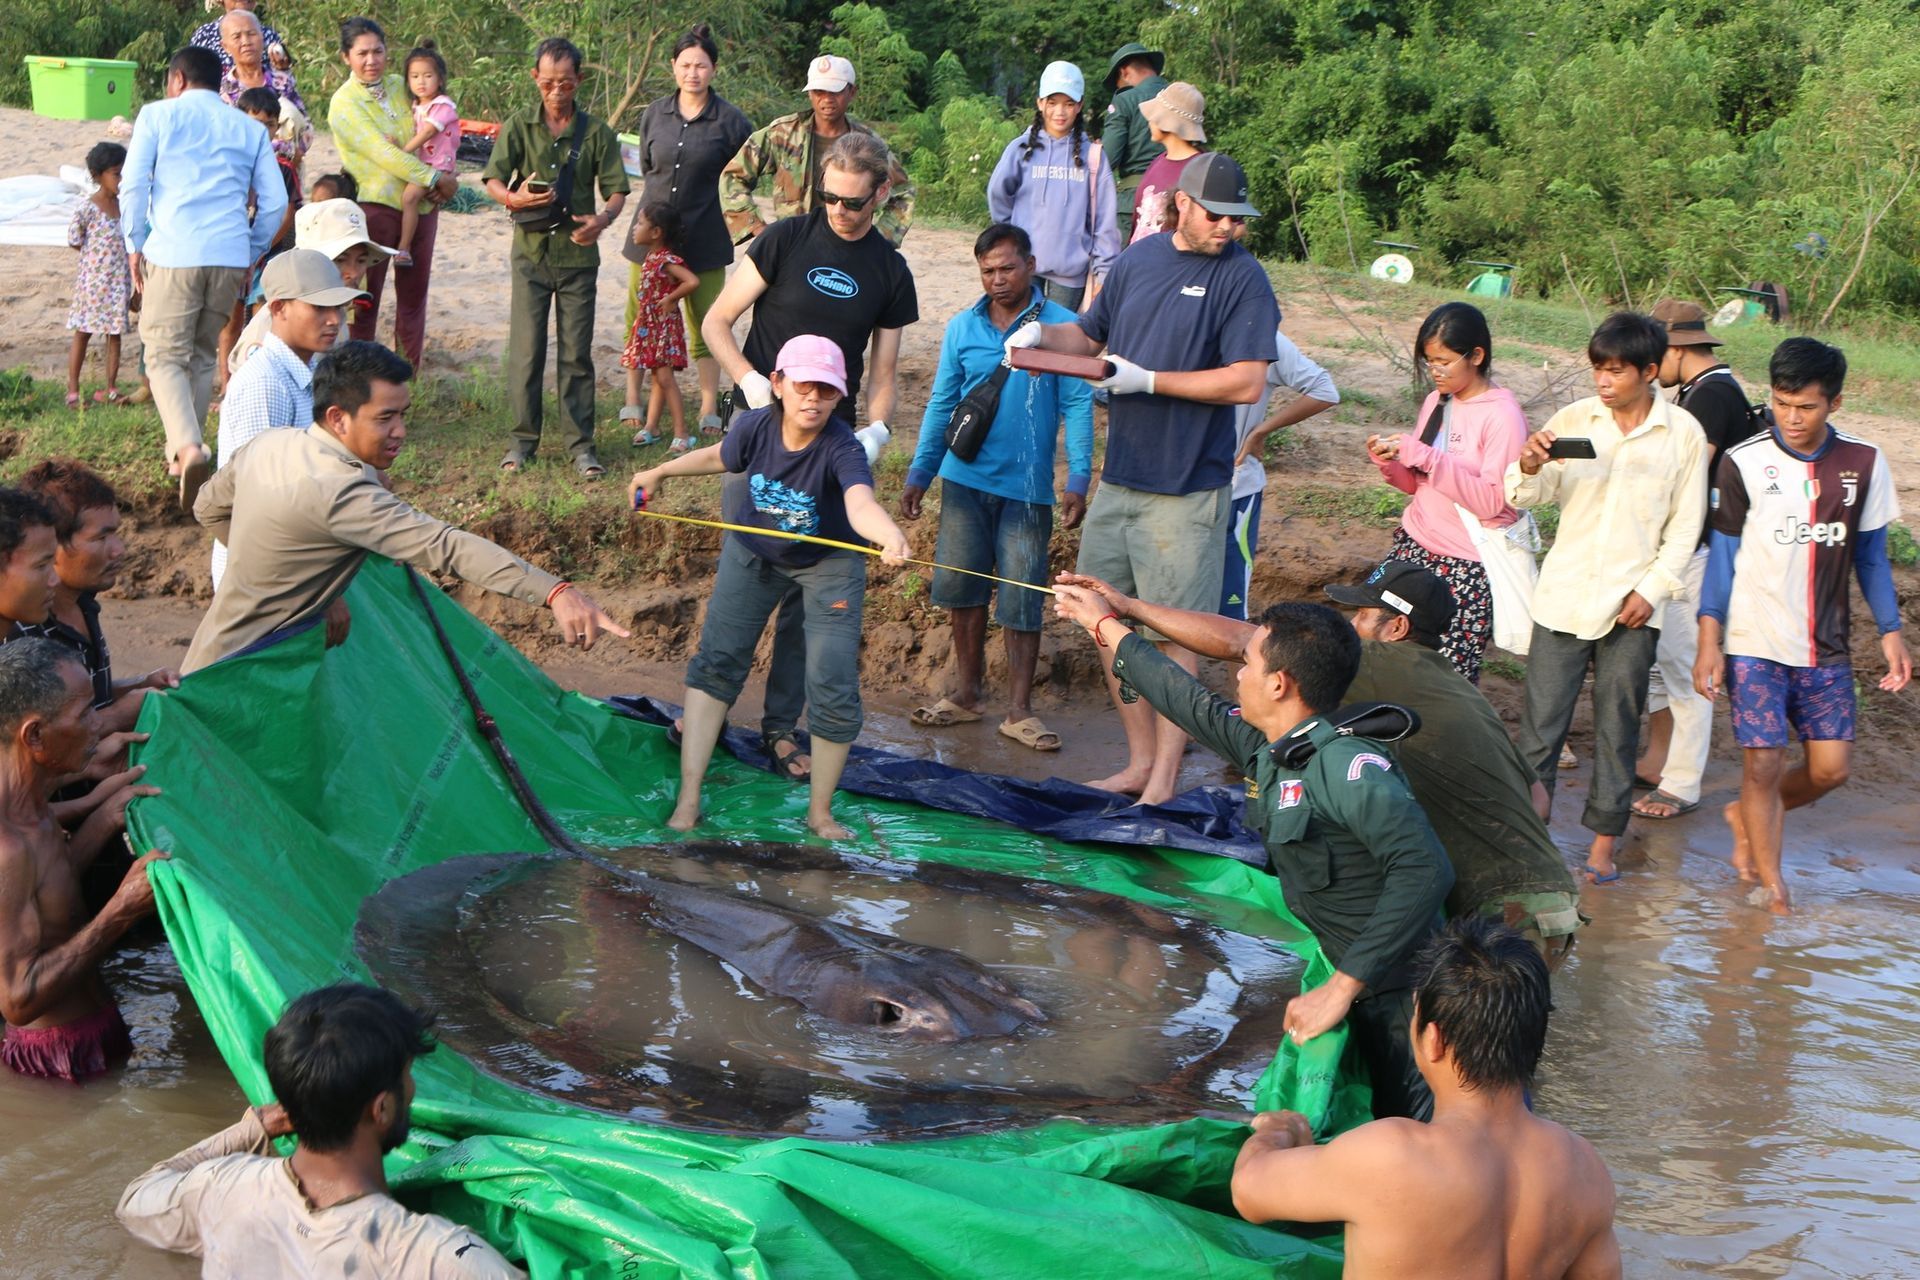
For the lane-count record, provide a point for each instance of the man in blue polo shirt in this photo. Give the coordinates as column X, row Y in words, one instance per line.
column 996, row 509
column 1187, row 321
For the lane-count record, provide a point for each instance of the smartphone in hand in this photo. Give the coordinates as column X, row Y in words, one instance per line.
column 1572, row 447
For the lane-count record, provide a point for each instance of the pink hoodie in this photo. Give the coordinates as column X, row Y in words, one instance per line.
column 1484, row 437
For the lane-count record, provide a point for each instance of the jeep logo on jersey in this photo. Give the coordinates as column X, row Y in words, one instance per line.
column 833, row 282
column 1799, row 531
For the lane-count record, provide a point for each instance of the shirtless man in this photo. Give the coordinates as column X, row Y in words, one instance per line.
column 61, row 1021
column 1486, row 1189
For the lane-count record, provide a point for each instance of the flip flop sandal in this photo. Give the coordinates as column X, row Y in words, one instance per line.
column 518, row 459
column 1568, row 760
column 943, row 714
column 1032, row 733
column 787, row 764
column 108, row 395
column 642, row 438
column 711, row 425
column 73, row 399
column 1594, row 877
column 589, row 467
column 1680, row 807
column 680, row 446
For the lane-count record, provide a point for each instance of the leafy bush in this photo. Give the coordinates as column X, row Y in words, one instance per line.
column 951, row 175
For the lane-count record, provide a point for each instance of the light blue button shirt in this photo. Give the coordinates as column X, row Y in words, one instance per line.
column 190, row 167
column 274, row 388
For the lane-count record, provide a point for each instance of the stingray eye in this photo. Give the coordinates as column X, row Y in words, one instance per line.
column 885, row 1013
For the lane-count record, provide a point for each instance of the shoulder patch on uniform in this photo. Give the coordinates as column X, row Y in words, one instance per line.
column 1365, row 758
column 1292, row 792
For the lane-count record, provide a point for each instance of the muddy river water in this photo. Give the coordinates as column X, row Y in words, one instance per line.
column 1753, row 1083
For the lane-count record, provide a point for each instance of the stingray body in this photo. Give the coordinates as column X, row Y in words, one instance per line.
column 841, row 972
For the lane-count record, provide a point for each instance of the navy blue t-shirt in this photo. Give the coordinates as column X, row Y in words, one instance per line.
column 802, row 492
column 1177, row 312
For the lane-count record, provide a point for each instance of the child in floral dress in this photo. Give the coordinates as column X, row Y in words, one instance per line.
column 101, row 286
column 659, row 338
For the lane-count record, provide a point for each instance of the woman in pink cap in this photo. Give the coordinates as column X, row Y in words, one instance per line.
column 806, row 474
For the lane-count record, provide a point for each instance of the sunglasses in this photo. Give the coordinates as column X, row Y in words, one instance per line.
column 1235, row 218
column 854, row 203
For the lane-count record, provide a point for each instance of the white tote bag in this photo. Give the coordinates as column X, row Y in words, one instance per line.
column 1508, row 556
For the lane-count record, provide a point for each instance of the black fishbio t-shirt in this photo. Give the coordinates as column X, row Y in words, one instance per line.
column 820, row 284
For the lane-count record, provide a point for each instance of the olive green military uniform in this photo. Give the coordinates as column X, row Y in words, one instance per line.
column 1356, row 859
column 1129, row 144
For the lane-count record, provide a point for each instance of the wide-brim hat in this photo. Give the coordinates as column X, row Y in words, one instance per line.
column 1179, row 109
column 1686, row 323
column 1126, row 53
column 334, row 226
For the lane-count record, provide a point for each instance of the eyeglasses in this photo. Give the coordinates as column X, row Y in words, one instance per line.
column 854, row 203
column 1235, row 218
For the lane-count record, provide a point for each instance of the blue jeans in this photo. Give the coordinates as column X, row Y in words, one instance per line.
column 746, row 591
column 987, row 533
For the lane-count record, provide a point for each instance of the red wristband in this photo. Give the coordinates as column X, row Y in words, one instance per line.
column 1096, row 628
column 554, row 594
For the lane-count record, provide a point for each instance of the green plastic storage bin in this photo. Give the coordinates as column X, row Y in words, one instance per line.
column 81, row 88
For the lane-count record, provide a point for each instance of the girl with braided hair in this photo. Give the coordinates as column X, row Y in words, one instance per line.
column 1054, row 183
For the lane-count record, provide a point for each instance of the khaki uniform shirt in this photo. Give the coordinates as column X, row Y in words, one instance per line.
column 298, row 513
column 230, row 1203
column 785, row 149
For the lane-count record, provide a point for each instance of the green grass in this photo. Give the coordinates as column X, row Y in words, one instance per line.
column 1506, row 668
column 1901, row 548
column 1377, row 505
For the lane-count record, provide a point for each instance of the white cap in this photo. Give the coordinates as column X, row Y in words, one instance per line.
column 332, row 227
column 1063, row 77
column 829, row 73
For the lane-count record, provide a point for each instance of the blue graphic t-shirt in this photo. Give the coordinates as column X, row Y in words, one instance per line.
column 818, row 283
column 803, row 492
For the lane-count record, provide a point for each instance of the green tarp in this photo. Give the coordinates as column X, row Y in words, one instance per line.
column 296, row 784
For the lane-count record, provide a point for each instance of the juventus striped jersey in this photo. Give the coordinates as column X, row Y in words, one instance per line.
column 1788, row 529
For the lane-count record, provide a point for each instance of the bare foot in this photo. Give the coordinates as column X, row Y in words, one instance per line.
column 1156, row 795
column 1128, row 782
column 684, row 817
column 827, row 829
column 1742, row 849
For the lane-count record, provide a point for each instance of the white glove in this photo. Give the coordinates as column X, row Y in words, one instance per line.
column 1027, row 335
column 873, row 439
column 757, row 390
column 1127, row 379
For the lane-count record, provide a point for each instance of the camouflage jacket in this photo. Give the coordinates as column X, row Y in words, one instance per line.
column 784, row 149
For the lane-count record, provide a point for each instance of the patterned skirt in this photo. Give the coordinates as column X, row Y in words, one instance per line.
column 1472, row 630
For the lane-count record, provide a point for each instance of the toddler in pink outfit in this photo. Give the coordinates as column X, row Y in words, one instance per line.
column 436, row 137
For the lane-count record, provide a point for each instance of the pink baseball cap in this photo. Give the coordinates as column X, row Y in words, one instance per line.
column 811, row 358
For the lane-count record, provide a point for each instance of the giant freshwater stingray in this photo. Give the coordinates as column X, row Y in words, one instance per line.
column 426, row 935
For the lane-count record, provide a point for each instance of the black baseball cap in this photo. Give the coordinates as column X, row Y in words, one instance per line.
column 1218, row 183
column 1405, row 588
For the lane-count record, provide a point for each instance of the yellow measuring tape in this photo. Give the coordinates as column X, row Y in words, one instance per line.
column 829, row 542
